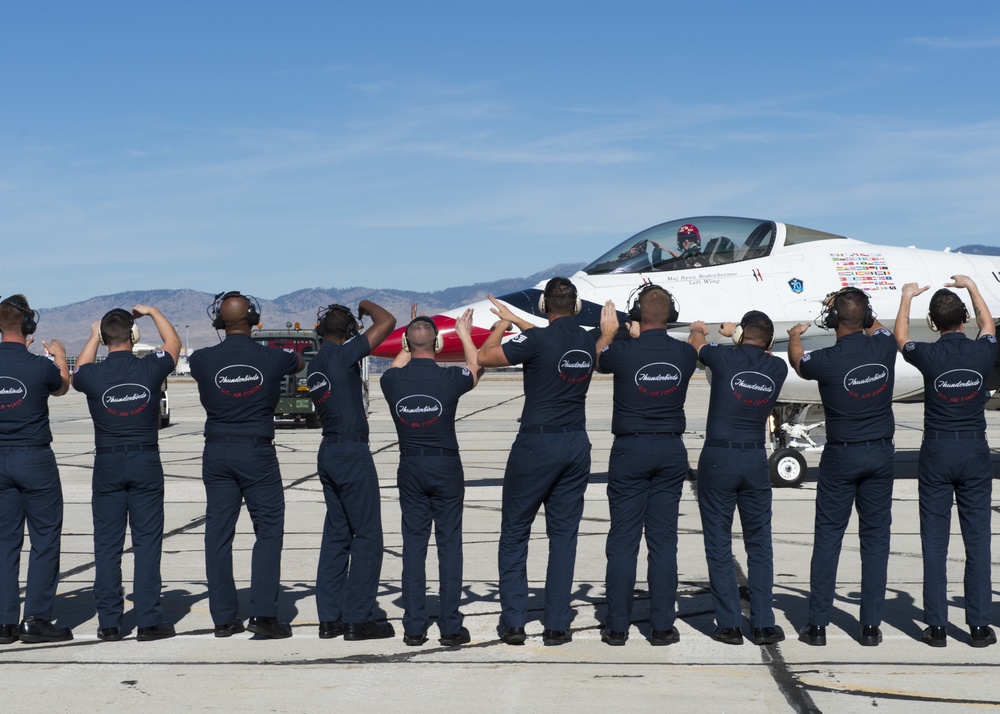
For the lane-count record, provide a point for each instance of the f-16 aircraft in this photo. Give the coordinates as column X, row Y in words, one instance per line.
column 718, row 267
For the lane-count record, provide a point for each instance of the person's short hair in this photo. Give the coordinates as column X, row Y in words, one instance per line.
column 947, row 311
column 560, row 296
column 758, row 327
column 339, row 324
column 655, row 305
column 852, row 308
column 116, row 327
column 12, row 313
column 420, row 333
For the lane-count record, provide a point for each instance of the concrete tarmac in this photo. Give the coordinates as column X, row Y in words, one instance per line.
column 197, row 672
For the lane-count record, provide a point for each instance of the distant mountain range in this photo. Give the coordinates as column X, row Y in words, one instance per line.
column 186, row 309
column 978, row 250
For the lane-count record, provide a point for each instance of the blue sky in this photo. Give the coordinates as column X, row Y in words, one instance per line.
column 269, row 147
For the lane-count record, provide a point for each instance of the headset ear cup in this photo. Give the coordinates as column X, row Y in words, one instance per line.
column 438, row 343
column 405, row 343
column 930, row 323
column 738, row 335
column 541, row 303
column 674, row 315
column 134, row 334
column 577, row 306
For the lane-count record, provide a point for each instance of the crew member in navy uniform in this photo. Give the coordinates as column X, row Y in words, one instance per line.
column 239, row 382
column 29, row 478
column 856, row 470
column 733, row 472
column 649, row 463
column 123, row 394
column 350, row 556
column 954, row 463
column 549, row 462
column 422, row 399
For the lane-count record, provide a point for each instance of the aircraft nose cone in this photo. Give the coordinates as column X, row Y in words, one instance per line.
column 452, row 351
column 391, row 346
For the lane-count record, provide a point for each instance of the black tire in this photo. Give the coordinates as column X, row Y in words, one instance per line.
column 312, row 421
column 165, row 421
column 788, row 468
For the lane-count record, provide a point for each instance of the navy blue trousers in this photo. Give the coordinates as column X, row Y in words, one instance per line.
column 431, row 490
column 731, row 478
column 29, row 492
column 645, row 480
column 350, row 556
column 852, row 476
column 128, row 490
column 960, row 472
column 233, row 473
column 550, row 470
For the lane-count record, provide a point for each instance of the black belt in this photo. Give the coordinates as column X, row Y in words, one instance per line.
column 956, row 435
column 126, row 447
column 24, row 447
column 428, row 452
column 637, row 434
column 237, row 440
column 345, row 439
column 872, row 442
column 723, row 443
column 546, row 429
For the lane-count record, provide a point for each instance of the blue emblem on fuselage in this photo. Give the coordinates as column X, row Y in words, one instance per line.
column 796, row 285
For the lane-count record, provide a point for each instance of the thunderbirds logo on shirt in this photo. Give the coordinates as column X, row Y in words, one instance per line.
column 239, row 380
column 958, row 385
column 126, row 399
column 12, row 393
column 319, row 387
column 575, row 366
column 658, row 379
column 752, row 388
column 418, row 410
column 867, row 381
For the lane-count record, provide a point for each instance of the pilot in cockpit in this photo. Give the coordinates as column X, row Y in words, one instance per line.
column 689, row 245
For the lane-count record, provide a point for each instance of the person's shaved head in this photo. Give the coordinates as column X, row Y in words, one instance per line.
column 420, row 334
column 235, row 312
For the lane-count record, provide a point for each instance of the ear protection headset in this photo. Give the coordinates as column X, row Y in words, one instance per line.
column 553, row 283
column 253, row 308
column 352, row 324
column 438, row 339
column 934, row 328
column 635, row 309
column 738, row 332
column 831, row 318
column 133, row 328
column 29, row 319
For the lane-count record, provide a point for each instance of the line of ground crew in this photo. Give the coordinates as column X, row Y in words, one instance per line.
column 549, row 464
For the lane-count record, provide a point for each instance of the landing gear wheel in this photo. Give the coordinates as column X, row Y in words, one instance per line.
column 312, row 421
column 788, row 468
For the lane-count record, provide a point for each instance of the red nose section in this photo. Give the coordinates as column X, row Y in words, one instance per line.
column 452, row 350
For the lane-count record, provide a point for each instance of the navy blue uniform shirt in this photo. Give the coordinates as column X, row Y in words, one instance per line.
column 422, row 399
column 26, row 380
column 746, row 381
column 855, row 382
column 558, row 363
column 123, row 394
column 239, row 382
column 651, row 380
column 335, row 387
column 955, row 370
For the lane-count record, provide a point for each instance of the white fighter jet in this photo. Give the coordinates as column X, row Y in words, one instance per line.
column 719, row 267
